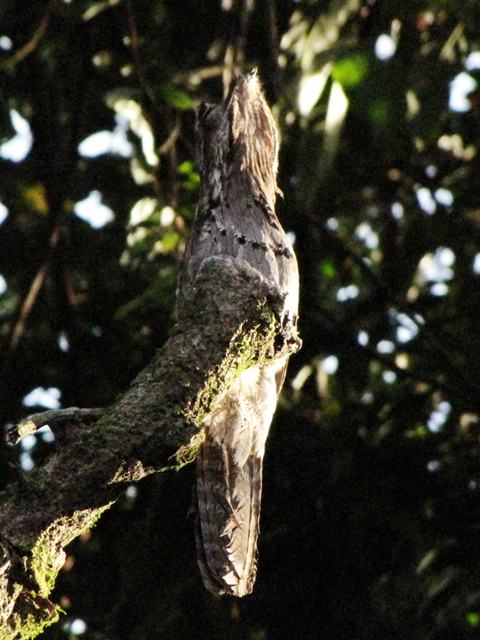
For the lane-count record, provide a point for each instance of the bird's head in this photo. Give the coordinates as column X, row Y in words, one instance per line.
column 240, row 134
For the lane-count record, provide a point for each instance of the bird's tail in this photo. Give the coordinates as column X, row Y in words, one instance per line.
column 228, row 514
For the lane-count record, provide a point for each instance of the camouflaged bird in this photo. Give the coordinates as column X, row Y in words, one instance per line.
column 238, row 158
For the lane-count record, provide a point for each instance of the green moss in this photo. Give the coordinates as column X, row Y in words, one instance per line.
column 47, row 553
column 47, row 560
column 32, row 614
column 188, row 452
column 250, row 346
column 33, row 625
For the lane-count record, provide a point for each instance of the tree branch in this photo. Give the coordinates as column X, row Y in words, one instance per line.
column 30, row 46
column 54, row 419
column 231, row 323
column 34, row 291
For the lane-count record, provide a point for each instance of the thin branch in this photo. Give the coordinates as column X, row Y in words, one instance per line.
column 30, row 46
column 171, row 140
column 229, row 68
column 135, row 49
column 408, row 374
column 383, row 293
column 144, row 84
column 53, row 418
column 28, row 304
column 33, row 292
column 349, row 343
column 448, row 50
column 346, row 251
column 235, row 44
column 197, row 76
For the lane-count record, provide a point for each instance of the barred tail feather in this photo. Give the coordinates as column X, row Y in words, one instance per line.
column 227, row 527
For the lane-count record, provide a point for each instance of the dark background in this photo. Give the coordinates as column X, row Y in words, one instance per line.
column 370, row 521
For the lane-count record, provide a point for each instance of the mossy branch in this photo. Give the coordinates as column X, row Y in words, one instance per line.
column 230, row 324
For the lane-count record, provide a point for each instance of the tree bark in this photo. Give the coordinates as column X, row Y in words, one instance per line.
column 231, row 323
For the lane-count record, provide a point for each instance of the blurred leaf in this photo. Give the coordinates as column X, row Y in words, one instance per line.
column 36, row 197
column 191, row 177
column 97, row 7
column 186, row 168
column 327, row 268
column 169, row 241
column 175, row 98
column 420, row 431
column 350, row 71
column 473, row 619
column 192, row 181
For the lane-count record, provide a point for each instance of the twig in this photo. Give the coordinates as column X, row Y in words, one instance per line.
column 27, row 305
column 33, row 292
column 52, row 418
column 144, row 85
column 348, row 252
column 35, row 40
column 348, row 343
column 135, row 49
column 197, row 76
column 228, row 68
column 429, row 335
column 171, row 139
column 448, row 49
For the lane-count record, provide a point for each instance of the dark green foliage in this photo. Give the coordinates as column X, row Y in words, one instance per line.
column 370, row 526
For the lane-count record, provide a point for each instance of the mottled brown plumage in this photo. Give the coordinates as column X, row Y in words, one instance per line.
column 238, row 151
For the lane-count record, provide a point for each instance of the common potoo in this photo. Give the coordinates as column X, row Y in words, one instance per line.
column 238, row 156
